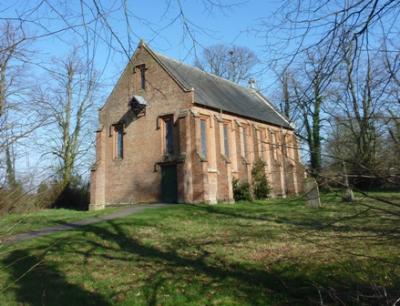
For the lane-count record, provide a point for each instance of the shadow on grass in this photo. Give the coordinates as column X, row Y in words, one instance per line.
column 40, row 283
column 253, row 285
column 361, row 219
column 285, row 283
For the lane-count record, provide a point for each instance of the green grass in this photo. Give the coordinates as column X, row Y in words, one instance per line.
column 23, row 222
column 278, row 252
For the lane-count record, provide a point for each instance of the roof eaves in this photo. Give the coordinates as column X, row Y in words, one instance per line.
column 120, row 77
column 234, row 114
column 265, row 100
column 172, row 75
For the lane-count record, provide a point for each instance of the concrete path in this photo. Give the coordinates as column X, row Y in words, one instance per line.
column 123, row 212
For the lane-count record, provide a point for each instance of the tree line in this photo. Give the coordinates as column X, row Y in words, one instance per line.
column 337, row 68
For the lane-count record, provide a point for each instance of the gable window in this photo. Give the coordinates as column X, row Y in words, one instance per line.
column 203, row 138
column 118, row 141
column 142, row 69
column 226, row 140
column 169, row 135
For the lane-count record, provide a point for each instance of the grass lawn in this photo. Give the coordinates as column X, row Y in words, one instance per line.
column 277, row 252
column 18, row 223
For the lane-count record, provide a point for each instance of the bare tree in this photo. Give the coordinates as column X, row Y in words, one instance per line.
column 233, row 63
column 69, row 104
column 392, row 66
column 361, row 102
column 15, row 120
column 302, row 26
column 286, row 105
column 305, row 93
column 348, row 34
column 91, row 25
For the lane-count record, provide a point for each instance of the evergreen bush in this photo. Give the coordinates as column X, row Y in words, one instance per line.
column 241, row 191
column 261, row 188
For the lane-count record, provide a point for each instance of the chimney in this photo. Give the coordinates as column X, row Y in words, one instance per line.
column 252, row 83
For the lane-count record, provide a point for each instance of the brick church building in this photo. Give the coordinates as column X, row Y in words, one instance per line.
column 170, row 132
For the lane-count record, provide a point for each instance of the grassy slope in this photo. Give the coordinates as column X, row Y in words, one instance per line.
column 19, row 223
column 274, row 253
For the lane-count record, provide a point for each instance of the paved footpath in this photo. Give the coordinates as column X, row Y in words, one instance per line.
column 76, row 224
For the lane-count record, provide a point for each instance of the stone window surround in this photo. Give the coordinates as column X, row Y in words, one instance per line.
column 274, row 144
column 164, row 142
column 244, row 140
column 160, row 125
column 141, row 68
column 204, row 138
column 114, row 134
column 225, row 129
column 211, row 158
column 267, row 142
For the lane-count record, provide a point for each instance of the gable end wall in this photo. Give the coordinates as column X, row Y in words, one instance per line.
column 136, row 177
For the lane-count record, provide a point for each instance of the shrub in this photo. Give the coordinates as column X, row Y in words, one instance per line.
column 241, row 191
column 73, row 196
column 56, row 195
column 47, row 194
column 261, row 187
column 15, row 199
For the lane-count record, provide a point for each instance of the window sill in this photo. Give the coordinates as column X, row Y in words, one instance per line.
column 201, row 158
column 141, row 91
column 245, row 161
column 226, row 159
column 173, row 157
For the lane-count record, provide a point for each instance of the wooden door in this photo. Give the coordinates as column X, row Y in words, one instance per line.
column 169, row 184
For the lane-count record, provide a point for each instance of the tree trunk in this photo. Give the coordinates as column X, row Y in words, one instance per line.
column 286, row 98
column 10, row 170
column 315, row 149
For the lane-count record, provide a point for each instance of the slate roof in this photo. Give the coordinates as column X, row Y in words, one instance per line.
column 218, row 93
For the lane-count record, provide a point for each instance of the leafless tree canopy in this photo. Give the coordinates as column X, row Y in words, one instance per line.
column 233, row 63
column 356, row 26
column 69, row 103
column 53, row 56
column 339, row 64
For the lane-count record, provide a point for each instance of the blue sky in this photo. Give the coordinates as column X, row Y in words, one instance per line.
column 157, row 23
column 154, row 22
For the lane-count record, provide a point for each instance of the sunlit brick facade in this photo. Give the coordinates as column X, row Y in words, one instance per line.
column 156, row 143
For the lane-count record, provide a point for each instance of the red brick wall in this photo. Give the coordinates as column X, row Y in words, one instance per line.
column 281, row 182
column 137, row 177
column 134, row 178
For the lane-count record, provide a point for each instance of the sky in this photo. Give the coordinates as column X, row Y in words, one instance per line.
column 161, row 24
column 176, row 28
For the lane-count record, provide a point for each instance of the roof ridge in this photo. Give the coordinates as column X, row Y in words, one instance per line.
column 205, row 72
column 214, row 91
column 156, row 56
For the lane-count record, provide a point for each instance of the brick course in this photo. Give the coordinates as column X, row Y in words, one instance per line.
column 137, row 176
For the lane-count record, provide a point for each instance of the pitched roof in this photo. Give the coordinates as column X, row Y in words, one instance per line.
column 218, row 93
